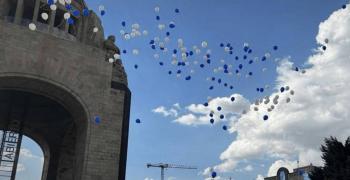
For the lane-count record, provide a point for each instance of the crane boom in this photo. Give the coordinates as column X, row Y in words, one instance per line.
column 163, row 166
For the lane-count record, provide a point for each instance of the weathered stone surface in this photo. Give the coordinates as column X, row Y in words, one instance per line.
column 66, row 83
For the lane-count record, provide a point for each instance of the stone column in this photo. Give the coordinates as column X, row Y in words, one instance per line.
column 19, row 11
column 36, row 10
column 52, row 19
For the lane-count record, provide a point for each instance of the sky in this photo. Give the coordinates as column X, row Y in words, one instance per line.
column 175, row 126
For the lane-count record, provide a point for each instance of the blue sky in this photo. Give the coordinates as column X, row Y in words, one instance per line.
column 291, row 25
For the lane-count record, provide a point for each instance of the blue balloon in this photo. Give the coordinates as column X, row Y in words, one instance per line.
column 212, row 121
column 219, row 108
column 97, row 120
column 211, row 114
column 236, row 58
column 251, row 62
column 245, row 57
column 70, row 21
column 261, row 89
column 206, row 104
column 171, row 25
column 240, row 66
column 250, row 73
column 161, row 63
column 103, row 12
column 86, row 12
column 158, row 18
column 263, row 58
column 50, row 2
column 324, row 48
column 213, row 78
column 208, row 61
column 68, row 7
column 76, row 13
column 213, row 174
column 188, row 78
column 224, row 127
column 136, row 66
column 211, row 87
column 167, row 33
column 233, row 99
column 344, row 6
column 250, row 51
column 138, row 121
column 124, row 51
column 123, row 23
column 153, row 46
column 226, row 71
column 170, row 72
column 177, row 10
column 266, row 117
column 225, row 66
column 219, row 81
column 275, row 48
column 225, row 84
column 175, row 51
column 282, row 89
column 231, row 87
column 222, row 45
column 222, row 116
column 179, row 71
column 296, row 69
column 202, row 65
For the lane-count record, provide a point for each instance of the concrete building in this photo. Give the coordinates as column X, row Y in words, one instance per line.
column 300, row 173
column 57, row 88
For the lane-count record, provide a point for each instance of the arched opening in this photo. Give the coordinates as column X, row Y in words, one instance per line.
column 51, row 125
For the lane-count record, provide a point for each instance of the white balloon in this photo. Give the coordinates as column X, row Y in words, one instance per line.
column 156, row 56
column 135, row 51
column 122, row 32
column 135, row 26
column 66, row 15
column 101, row 7
column 157, row 9
column 45, row 16
column 161, row 27
column 32, row 26
column 227, row 49
column 127, row 36
column 291, row 92
column 204, row 44
column 95, row 30
column 198, row 51
column 53, row 7
column 145, row 32
column 116, row 56
column 288, row 100
column 62, row 2
column 68, row 1
column 111, row 60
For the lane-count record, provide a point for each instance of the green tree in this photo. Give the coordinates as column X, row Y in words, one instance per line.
column 336, row 157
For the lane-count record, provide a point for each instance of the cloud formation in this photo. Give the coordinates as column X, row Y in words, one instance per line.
column 318, row 108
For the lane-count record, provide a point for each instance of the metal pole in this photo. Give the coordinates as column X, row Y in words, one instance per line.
column 162, row 173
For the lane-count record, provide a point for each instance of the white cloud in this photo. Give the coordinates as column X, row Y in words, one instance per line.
column 260, row 177
column 248, row 168
column 317, row 110
column 166, row 112
column 26, row 153
column 177, row 106
column 198, row 114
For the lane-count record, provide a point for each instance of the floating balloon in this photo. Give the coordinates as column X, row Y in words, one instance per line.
column 138, row 121
column 44, row 16
column 212, row 121
column 224, row 127
column 344, row 6
column 172, row 25
column 95, row 30
column 97, row 120
column 266, row 117
column 136, row 66
column 219, row 108
column 32, row 26
column 213, row 174
column 53, row 7
column 86, row 12
column 204, row 44
column 177, row 10
column 157, row 9
column 66, row 15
